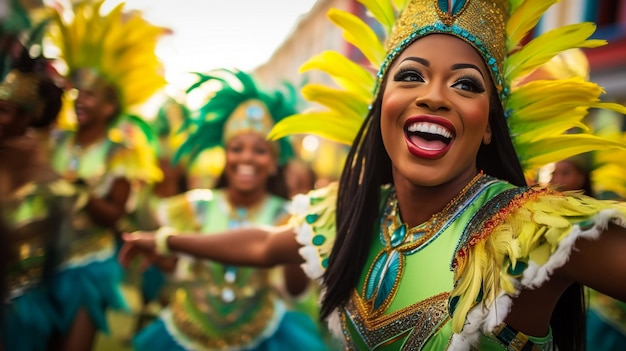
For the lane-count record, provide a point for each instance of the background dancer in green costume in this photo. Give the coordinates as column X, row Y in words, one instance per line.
column 224, row 307
column 431, row 239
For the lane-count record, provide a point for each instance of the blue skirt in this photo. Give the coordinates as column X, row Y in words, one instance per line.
column 601, row 335
column 296, row 331
column 95, row 287
column 29, row 320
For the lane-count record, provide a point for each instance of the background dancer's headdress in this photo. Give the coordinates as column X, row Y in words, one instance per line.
column 168, row 126
column 539, row 113
column 113, row 50
column 117, row 49
column 237, row 104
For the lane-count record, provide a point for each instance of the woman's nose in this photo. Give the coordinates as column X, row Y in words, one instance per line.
column 432, row 96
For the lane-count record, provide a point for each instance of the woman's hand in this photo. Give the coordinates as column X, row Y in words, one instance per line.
column 138, row 244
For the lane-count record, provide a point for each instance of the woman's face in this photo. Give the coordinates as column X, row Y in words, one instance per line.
column 435, row 110
column 94, row 109
column 566, row 176
column 250, row 161
column 12, row 122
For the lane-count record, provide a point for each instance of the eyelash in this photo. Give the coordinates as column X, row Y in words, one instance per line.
column 475, row 85
column 404, row 73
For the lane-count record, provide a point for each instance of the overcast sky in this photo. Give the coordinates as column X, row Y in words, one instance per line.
column 215, row 33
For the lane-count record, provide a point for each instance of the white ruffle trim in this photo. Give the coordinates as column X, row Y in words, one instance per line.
column 299, row 208
column 334, row 326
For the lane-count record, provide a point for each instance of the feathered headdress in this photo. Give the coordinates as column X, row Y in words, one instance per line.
column 114, row 50
column 117, row 48
column 539, row 113
column 168, row 125
column 236, row 104
column 607, row 166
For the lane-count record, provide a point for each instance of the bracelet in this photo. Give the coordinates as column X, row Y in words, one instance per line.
column 160, row 240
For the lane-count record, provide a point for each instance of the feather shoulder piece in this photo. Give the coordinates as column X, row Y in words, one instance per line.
column 528, row 233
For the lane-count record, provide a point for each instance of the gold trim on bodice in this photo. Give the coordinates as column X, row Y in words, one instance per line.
column 238, row 334
column 416, row 322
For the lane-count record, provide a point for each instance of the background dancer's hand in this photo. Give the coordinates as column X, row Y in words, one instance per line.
column 138, row 244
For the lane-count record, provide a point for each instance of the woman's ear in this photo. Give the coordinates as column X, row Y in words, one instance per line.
column 487, row 135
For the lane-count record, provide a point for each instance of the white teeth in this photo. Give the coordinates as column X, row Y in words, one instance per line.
column 431, row 128
column 245, row 170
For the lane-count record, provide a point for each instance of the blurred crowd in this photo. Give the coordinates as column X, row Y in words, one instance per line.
column 82, row 163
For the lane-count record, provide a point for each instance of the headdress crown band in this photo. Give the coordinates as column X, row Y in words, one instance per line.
column 481, row 23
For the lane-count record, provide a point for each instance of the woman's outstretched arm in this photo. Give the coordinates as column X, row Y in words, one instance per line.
column 255, row 246
column 600, row 263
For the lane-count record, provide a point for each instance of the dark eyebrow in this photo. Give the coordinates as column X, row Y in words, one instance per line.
column 418, row 60
column 467, row 65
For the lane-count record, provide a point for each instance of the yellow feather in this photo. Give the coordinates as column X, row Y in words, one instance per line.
column 343, row 102
column 523, row 19
column 544, row 47
column 382, row 12
column 557, row 148
column 118, row 46
column 469, row 286
column 344, row 72
column 500, row 245
column 317, row 123
column 400, row 5
column 359, row 34
column 569, row 91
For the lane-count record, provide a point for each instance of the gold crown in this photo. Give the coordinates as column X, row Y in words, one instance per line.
column 250, row 116
column 22, row 89
column 481, row 23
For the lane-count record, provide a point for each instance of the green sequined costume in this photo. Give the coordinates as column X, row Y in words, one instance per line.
column 221, row 307
column 420, row 313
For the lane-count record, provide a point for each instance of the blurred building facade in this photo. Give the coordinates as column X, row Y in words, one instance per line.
column 607, row 63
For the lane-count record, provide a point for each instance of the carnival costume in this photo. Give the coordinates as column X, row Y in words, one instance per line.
column 112, row 50
column 493, row 239
column 168, row 127
column 37, row 214
column 221, row 307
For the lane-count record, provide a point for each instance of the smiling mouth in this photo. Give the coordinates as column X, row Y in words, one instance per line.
column 246, row 170
column 429, row 136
